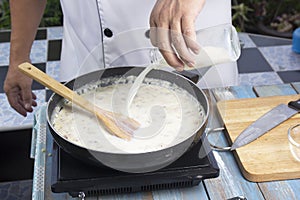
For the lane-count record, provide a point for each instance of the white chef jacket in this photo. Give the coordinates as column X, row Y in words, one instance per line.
column 107, row 33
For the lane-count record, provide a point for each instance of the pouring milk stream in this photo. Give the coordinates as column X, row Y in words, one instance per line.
column 218, row 44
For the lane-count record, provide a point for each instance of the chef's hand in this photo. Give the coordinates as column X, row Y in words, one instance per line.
column 17, row 87
column 172, row 30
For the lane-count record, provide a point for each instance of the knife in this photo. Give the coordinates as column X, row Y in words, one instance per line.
column 265, row 123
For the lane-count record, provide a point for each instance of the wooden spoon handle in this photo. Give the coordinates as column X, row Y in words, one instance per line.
column 55, row 86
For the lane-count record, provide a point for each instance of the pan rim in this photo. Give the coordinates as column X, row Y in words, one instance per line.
column 203, row 123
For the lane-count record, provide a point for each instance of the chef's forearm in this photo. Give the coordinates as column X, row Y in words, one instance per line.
column 25, row 19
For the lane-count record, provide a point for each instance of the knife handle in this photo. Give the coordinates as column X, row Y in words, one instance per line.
column 295, row 104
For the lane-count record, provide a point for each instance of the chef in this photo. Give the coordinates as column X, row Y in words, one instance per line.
column 107, row 33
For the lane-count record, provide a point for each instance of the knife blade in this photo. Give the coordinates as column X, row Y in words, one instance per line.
column 265, row 123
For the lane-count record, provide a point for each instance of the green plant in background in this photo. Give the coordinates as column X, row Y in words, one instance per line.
column 239, row 17
column 52, row 16
column 272, row 15
column 4, row 14
column 281, row 15
column 286, row 17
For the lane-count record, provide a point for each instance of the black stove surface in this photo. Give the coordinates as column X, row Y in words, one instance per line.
column 74, row 176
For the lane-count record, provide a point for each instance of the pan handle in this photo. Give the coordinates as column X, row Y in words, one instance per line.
column 214, row 146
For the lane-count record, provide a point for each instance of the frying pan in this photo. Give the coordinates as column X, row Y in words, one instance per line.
column 130, row 162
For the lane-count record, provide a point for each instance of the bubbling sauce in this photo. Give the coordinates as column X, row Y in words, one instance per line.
column 167, row 113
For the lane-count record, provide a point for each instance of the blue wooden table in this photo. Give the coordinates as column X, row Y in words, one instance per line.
column 230, row 183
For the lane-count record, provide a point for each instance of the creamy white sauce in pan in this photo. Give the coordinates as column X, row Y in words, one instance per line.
column 168, row 115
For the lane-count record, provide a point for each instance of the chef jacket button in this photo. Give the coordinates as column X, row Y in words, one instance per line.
column 147, row 34
column 108, row 32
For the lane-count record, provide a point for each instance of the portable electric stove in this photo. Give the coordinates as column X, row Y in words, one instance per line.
column 76, row 177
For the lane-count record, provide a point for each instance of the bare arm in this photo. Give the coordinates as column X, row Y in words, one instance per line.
column 25, row 18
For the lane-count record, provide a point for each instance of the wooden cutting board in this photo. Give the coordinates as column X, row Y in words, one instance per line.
column 269, row 157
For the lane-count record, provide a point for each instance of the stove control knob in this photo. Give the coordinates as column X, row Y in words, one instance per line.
column 81, row 195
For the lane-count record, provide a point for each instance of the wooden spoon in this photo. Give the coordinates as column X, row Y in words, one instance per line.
column 117, row 124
